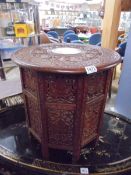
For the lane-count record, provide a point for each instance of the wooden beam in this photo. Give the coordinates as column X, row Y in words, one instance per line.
column 125, row 5
column 111, row 23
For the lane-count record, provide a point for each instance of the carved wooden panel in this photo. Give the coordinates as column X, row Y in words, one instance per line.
column 91, row 121
column 34, row 116
column 29, row 81
column 60, row 127
column 95, row 85
column 60, row 106
column 60, row 89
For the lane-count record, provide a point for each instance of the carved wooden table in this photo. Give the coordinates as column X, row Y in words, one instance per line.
column 65, row 105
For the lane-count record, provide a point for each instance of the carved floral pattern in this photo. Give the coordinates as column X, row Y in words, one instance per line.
column 60, row 89
column 96, row 85
column 60, row 126
column 42, row 57
column 34, row 116
column 91, row 121
column 30, row 81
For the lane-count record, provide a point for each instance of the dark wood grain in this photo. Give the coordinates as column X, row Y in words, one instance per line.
column 41, row 58
column 65, row 105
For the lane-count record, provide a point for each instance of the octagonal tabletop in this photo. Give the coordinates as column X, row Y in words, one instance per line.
column 66, row 58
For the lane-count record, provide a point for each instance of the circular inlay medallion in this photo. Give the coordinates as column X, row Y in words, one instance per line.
column 66, row 50
column 67, row 58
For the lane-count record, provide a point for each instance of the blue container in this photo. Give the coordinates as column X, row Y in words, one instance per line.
column 6, row 52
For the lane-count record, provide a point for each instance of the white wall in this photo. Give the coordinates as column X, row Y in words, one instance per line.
column 123, row 100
